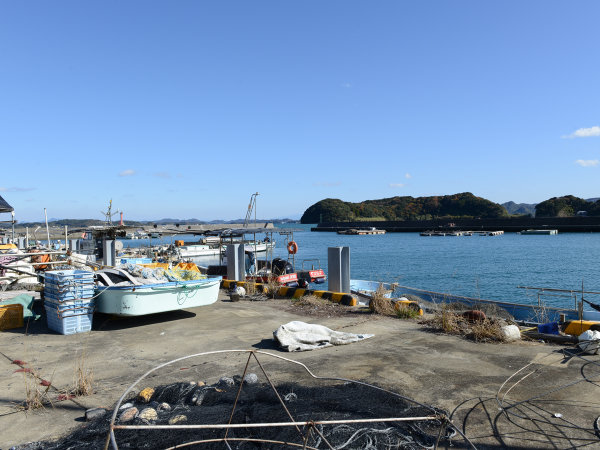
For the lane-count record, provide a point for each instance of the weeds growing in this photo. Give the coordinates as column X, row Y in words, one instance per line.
column 406, row 312
column 451, row 322
column 272, row 286
column 36, row 395
column 83, row 377
column 250, row 287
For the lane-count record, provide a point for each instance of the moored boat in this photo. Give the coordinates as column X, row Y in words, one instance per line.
column 546, row 232
column 187, row 251
column 361, row 231
column 531, row 314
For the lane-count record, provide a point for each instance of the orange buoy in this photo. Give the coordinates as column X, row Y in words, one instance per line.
column 292, row 247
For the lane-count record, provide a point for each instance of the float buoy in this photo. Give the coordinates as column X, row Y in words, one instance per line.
column 292, row 248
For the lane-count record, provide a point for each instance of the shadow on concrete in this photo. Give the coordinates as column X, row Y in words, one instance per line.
column 267, row 344
column 103, row 322
column 32, row 326
column 108, row 322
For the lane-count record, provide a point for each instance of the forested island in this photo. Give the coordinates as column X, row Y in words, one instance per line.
column 458, row 206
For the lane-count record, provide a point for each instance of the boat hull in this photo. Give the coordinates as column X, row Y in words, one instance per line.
column 157, row 298
column 194, row 251
column 523, row 313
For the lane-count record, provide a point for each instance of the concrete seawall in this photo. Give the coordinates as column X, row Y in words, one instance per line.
column 562, row 224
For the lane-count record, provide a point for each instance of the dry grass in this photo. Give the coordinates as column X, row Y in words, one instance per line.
column 36, row 396
column 452, row 322
column 380, row 304
column 311, row 305
column 272, row 286
column 449, row 321
column 250, row 287
column 487, row 330
column 310, row 300
column 83, row 377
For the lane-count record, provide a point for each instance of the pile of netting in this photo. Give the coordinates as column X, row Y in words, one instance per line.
column 259, row 403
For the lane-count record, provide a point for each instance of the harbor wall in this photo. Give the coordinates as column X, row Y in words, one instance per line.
column 507, row 224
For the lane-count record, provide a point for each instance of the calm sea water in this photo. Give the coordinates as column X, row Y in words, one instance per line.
column 488, row 267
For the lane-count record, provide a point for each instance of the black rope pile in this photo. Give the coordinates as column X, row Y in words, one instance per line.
column 259, row 403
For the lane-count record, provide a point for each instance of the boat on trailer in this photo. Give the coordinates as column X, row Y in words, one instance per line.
column 121, row 294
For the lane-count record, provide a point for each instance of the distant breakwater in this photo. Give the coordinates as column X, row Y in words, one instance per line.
column 512, row 224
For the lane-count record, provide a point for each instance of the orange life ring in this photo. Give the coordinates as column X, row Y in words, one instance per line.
column 292, row 247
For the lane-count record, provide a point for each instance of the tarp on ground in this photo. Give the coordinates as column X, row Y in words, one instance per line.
column 26, row 300
column 4, row 206
column 298, row 336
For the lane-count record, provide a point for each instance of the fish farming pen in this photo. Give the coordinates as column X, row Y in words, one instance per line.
column 257, row 409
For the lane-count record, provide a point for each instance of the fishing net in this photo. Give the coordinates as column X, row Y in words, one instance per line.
column 265, row 409
column 259, row 403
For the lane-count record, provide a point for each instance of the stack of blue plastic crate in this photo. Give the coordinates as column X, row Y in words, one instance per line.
column 68, row 300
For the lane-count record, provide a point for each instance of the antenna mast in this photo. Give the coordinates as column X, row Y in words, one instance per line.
column 108, row 214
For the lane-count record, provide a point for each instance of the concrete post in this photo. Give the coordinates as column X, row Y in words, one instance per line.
column 345, row 270
column 21, row 243
column 109, row 252
column 235, row 262
column 74, row 245
column 338, row 265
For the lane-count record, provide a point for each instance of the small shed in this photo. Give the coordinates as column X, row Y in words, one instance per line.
column 6, row 208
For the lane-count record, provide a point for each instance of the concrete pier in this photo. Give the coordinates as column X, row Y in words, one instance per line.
column 450, row 372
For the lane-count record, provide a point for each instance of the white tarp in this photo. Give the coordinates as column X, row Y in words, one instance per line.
column 589, row 341
column 299, row 336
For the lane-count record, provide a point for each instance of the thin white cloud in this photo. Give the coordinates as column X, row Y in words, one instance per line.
column 127, row 173
column 584, row 132
column 587, row 162
column 327, row 183
column 346, row 85
column 408, row 175
column 162, row 175
column 16, row 189
column 397, row 185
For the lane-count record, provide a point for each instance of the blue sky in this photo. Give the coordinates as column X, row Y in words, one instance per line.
column 183, row 109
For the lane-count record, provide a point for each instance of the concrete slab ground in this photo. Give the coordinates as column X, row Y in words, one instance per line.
column 467, row 379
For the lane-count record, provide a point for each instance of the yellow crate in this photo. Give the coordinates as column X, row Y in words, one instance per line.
column 11, row 316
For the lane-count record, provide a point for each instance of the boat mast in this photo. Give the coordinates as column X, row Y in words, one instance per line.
column 251, row 207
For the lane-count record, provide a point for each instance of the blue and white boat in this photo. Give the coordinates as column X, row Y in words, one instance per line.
column 123, row 295
column 533, row 314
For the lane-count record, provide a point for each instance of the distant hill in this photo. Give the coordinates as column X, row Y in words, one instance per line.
column 519, row 208
column 566, row 206
column 464, row 205
column 83, row 223
column 181, row 221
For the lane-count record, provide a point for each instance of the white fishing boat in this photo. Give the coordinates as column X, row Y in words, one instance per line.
column 123, row 295
column 196, row 250
column 255, row 246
